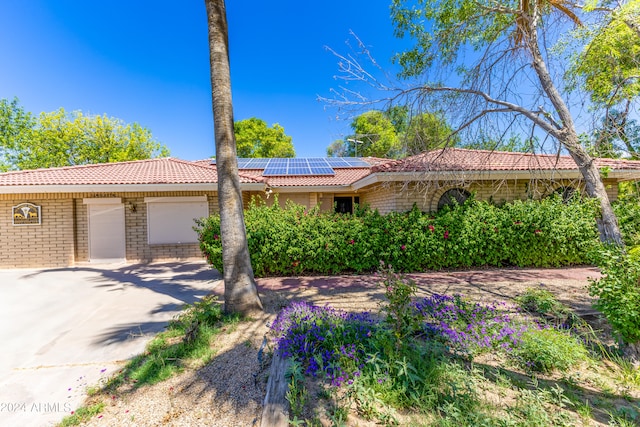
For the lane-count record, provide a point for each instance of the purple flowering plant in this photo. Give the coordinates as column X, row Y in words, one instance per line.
column 326, row 341
column 470, row 327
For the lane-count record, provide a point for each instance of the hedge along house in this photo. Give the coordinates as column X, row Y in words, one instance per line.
column 144, row 210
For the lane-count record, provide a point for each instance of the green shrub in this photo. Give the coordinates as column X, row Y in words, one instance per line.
column 541, row 301
column 546, row 350
column 627, row 210
column 618, row 293
column 296, row 240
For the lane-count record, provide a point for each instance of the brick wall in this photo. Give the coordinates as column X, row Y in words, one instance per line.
column 381, row 197
column 50, row 244
column 63, row 239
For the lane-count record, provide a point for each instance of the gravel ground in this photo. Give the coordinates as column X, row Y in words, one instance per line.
column 229, row 391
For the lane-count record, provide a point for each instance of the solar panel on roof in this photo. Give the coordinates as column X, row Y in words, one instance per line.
column 322, row 170
column 274, row 171
column 337, row 161
column 298, row 171
column 299, row 166
column 355, row 162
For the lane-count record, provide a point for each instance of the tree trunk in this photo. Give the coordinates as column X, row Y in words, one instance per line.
column 567, row 136
column 608, row 223
column 240, row 291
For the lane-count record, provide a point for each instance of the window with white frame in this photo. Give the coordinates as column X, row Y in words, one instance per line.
column 170, row 220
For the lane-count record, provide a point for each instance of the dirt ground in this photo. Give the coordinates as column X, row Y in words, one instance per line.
column 230, row 390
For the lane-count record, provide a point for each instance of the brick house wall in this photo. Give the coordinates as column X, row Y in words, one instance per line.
column 49, row 244
column 62, row 239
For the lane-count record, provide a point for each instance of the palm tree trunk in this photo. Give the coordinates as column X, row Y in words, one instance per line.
column 240, row 291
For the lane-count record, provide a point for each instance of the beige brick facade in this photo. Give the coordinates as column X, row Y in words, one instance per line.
column 49, row 244
column 62, row 238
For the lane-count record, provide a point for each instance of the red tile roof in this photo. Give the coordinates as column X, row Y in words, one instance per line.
column 342, row 177
column 175, row 171
column 458, row 159
column 152, row 171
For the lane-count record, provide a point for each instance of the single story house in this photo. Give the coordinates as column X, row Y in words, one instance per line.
column 144, row 210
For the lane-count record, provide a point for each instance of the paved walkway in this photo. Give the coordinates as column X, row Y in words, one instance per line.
column 357, row 292
column 65, row 329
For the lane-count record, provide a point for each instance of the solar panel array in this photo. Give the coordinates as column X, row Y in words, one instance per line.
column 300, row 166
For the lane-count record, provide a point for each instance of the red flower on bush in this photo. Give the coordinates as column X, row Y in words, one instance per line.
column 431, row 228
column 537, row 231
column 351, row 242
column 216, row 237
column 446, row 234
column 403, row 247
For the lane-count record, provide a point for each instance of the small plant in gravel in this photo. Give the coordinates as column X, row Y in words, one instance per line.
column 541, row 301
column 548, row 349
column 401, row 317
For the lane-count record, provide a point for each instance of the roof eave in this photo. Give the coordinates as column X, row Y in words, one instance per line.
column 119, row 188
column 556, row 174
column 313, row 188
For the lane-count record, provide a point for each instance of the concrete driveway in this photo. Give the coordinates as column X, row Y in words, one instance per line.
column 62, row 330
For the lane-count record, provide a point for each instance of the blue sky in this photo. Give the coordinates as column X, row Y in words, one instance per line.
column 148, row 62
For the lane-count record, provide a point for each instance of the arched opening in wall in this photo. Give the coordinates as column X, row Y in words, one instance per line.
column 453, row 196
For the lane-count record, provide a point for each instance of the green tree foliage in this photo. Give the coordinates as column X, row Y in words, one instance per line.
column 255, row 139
column 618, row 135
column 609, row 63
column 607, row 67
column 394, row 133
column 59, row 138
column 491, row 64
column 513, row 143
column 427, row 131
column 375, row 135
column 16, row 126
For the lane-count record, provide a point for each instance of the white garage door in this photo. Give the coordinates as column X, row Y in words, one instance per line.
column 170, row 220
column 106, row 230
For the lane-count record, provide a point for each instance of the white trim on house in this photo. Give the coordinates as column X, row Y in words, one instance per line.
column 119, row 188
column 102, row 201
column 554, row 174
column 175, row 199
column 312, row 189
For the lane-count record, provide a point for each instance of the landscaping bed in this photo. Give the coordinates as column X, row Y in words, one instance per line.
column 229, row 390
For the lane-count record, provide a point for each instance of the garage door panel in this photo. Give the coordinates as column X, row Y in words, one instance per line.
column 106, row 232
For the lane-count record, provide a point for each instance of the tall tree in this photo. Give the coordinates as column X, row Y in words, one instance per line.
column 394, row 133
column 374, row 135
column 607, row 67
column 509, row 73
column 240, row 290
column 16, row 126
column 427, row 131
column 255, row 139
column 62, row 139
